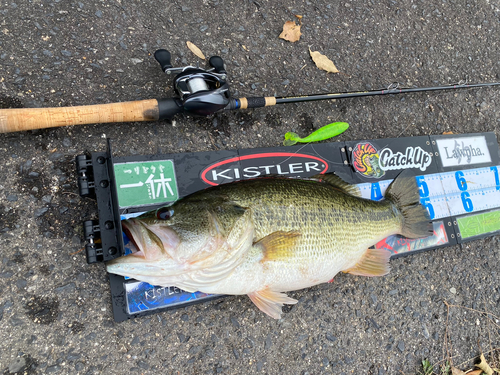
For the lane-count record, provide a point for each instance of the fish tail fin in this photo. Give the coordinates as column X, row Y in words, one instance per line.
column 404, row 194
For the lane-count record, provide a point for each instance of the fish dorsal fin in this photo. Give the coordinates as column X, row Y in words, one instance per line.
column 375, row 262
column 271, row 302
column 278, row 245
column 338, row 183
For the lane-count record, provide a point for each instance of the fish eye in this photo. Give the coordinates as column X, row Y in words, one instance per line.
column 164, row 213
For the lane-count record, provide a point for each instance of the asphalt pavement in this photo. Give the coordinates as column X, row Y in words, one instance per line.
column 55, row 309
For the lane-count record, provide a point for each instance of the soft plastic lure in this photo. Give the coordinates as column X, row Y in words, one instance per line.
column 325, row 132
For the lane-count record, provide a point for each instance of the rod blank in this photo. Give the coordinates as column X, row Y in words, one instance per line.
column 343, row 95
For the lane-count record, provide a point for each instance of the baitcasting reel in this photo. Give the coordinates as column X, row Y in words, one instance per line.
column 202, row 92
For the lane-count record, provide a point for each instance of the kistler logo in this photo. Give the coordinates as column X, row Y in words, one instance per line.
column 287, row 164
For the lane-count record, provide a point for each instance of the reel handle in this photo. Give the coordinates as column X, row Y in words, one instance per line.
column 163, row 57
column 218, row 64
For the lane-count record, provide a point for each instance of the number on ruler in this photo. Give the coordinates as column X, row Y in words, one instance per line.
column 497, row 180
column 426, row 202
column 376, row 193
column 423, row 190
column 462, row 185
column 461, row 182
column 422, row 186
column 467, row 202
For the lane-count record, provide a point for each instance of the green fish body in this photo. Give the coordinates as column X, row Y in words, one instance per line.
column 267, row 236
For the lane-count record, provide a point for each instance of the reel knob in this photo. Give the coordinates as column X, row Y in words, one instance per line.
column 163, row 57
column 217, row 63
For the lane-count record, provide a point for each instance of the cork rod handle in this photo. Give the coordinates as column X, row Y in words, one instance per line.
column 19, row 119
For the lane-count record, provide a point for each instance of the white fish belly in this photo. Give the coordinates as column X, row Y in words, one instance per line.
column 307, row 266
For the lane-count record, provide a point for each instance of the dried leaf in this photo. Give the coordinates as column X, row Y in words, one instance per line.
column 475, row 372
column 291, row 31
column 456, row 371
column 323, row 62
column 484, row 366
column 195, row 50
column 447, row 133
column 300, row 19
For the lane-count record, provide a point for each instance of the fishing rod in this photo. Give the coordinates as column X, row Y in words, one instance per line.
column 243, row 103
column 201, row 92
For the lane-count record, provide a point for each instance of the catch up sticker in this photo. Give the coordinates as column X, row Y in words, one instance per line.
column 145, row 183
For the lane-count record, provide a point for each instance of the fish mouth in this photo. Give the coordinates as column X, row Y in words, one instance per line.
column 152, row 241
column 150, row 249
column 132, row 229
column 154, row 244
column 132, row 264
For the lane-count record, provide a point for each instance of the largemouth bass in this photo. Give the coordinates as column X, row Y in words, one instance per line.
column 268, row 236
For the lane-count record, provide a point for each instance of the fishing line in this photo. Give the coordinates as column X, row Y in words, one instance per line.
column 399, row 135
column 317, row 153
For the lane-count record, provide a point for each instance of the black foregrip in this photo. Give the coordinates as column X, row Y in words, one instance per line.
column 256, row 102
column 168, row 108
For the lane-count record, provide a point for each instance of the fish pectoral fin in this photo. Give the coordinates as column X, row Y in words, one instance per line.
column 278, row 245
column 375, row 262
column 338, row 183
column 271, row 302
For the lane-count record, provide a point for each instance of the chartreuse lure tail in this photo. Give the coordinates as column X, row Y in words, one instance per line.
column 325, row 132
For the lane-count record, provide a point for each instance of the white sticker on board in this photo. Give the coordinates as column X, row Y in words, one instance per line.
column 463, row 151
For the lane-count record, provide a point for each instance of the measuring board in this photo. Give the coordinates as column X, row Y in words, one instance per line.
column 457, row 177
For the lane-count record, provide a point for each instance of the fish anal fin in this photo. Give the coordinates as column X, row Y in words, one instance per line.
column 375, row 262
column 338, row 183
column 271, row 302
column 278, row 245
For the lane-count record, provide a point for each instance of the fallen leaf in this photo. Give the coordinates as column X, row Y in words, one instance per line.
column 323, row 62
column 195, row 50
column 484, row 366
column 447, row 132
column 300, row 18
column 475, row 372
column 291, row 31
column 456, row 371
